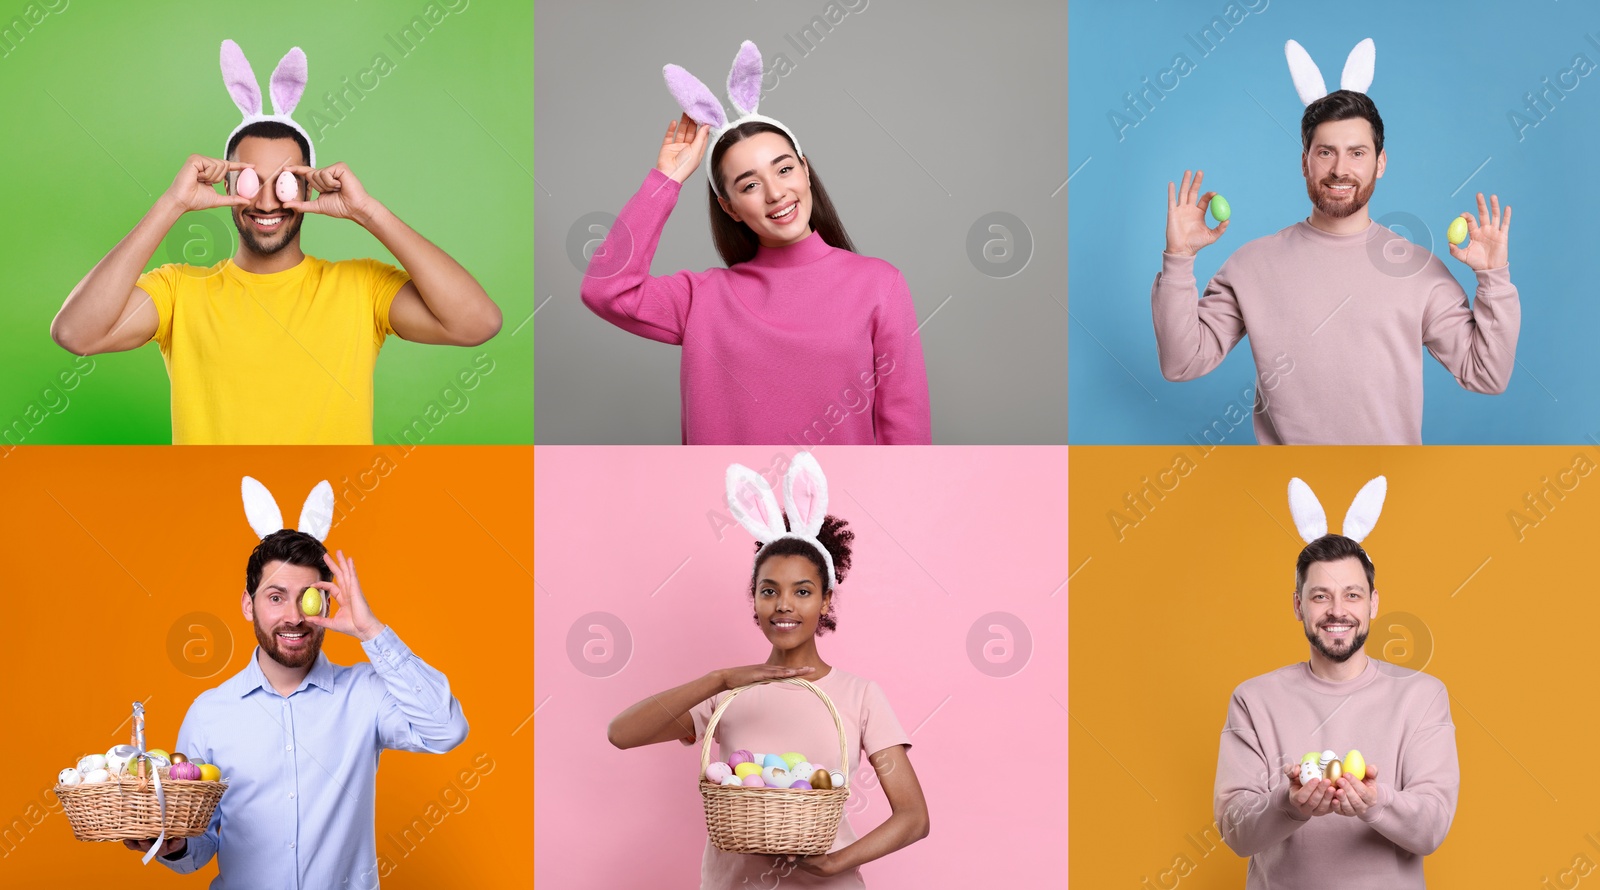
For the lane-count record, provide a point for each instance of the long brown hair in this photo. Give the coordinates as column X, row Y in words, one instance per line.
column 735, row 241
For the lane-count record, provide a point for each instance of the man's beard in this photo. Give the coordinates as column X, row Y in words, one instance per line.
column 252, row 239
column 269, row 645
column 1340, row 209
column 1335, row 656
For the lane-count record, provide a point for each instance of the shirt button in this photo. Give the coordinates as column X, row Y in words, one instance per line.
column 291, row 845
column 291, row 795
column 288, row 747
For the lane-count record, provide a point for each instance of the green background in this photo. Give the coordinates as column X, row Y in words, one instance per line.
column 102, row 102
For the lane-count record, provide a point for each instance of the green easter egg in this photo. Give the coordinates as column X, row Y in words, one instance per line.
column 1220, row 208
column 1457, row 232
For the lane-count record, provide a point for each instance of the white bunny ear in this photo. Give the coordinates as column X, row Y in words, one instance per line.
column 805, row 493
column 1364, row 510
column 288, row 82
column 744, row 80
column 316, row 517
column 240, row 80
column 1307, row 76
column 752, row 502
column 1307, row 511
column 1357, row 74
column 259, row 507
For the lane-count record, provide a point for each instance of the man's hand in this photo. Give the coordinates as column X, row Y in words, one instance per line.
column 353, row 617
column 339, row 193
column 168, row 847
column 1352, row 798
column 192, row 188
column 1186, row 217
column 1488, row 236
column 1315, row 799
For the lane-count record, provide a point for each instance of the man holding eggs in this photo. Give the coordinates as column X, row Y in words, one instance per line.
column 1338, row 308
column 1366, row 821
column 272, row 346
column 298, row 738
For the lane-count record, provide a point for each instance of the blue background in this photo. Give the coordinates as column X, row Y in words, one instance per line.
column 1447, row 77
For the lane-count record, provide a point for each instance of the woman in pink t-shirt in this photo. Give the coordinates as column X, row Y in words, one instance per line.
column 792, row 607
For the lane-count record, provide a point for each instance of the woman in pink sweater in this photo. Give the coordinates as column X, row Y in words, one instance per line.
column 800, row 340
column 793, row 605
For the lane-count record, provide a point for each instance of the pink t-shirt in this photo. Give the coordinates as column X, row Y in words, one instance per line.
column 778, row 718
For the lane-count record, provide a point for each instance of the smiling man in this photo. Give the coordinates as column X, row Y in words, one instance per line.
column 272, row 346
column 1372, row 833
column 298, row 737
column 1337, row 307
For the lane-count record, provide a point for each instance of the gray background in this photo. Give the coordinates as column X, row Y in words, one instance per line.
column 954, row 111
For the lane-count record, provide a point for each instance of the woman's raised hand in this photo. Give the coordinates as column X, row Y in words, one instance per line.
column 682, row 148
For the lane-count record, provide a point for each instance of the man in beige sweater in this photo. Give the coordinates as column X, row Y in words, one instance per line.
column 1337, row 307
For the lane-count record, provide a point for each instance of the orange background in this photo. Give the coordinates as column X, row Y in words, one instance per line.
column 1196, row 598
column 108, row 549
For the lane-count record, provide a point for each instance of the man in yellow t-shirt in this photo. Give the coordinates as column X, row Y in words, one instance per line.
column 272, row 347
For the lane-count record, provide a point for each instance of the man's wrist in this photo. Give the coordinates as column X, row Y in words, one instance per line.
column 368, row 634
column 370, row 214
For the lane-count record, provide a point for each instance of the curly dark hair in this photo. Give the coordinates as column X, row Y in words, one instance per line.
column 290, row 546
column 836, row 536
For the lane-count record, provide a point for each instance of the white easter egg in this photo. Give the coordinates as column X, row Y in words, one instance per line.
column 1308, row 771
column 118, row 757
column 91, row 762
column 776, row 777
column 803, row 768
column 1328, row 757
column 838, row 778
column 731, row 779
column 69, row 776
column 96, row 776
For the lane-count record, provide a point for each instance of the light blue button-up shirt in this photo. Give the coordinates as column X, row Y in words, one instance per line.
column 302, row 770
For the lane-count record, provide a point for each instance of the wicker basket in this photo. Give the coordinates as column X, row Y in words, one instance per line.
column 126, row 808
column 772, row 821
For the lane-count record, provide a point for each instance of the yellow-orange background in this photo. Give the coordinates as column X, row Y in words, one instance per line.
column 108, row 549
column 1196, row 598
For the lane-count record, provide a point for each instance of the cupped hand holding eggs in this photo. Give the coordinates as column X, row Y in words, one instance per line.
column 1353, row 797
column 354, row 616
column 339, row 193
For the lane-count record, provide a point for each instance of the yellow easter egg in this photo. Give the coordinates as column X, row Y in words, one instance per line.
column 747, row 769
column 209, row 772
column 311, row 601
column 1355, row 766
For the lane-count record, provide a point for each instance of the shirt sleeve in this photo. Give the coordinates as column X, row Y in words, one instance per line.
column 418, row 712
column 1477, row 343
column 880, row 728
column 1251, row 802
column 900, row 411
column 701, row 715
column 200, row 849
column 383, row 285
column 1417, row 817
column 1193, row 337
column 618, row 285
column 161, row 284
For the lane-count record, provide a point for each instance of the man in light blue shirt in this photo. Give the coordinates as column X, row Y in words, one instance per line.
column 298, row 737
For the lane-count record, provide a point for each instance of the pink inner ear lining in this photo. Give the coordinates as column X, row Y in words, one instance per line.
column 753, row 503
column 804, row 490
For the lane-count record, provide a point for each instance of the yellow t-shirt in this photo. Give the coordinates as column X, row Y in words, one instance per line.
column 279, row 359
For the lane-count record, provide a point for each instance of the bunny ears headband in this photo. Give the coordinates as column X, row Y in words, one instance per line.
column 744, row 89
column 287, row 85
column 1358, row 521
column 1308, row 81
column 805, row 495
column 316, row 517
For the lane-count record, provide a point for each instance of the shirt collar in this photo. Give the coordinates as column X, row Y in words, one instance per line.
column 323, row 676
column 808, row 250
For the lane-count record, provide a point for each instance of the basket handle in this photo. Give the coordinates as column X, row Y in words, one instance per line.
column 716, row 716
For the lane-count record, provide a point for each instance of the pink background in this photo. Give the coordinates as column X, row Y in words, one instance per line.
column 943, row 536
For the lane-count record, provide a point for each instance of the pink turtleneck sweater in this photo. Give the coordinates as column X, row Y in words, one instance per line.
column 1337, row 324
column 802, row 345
column 1398, row 719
